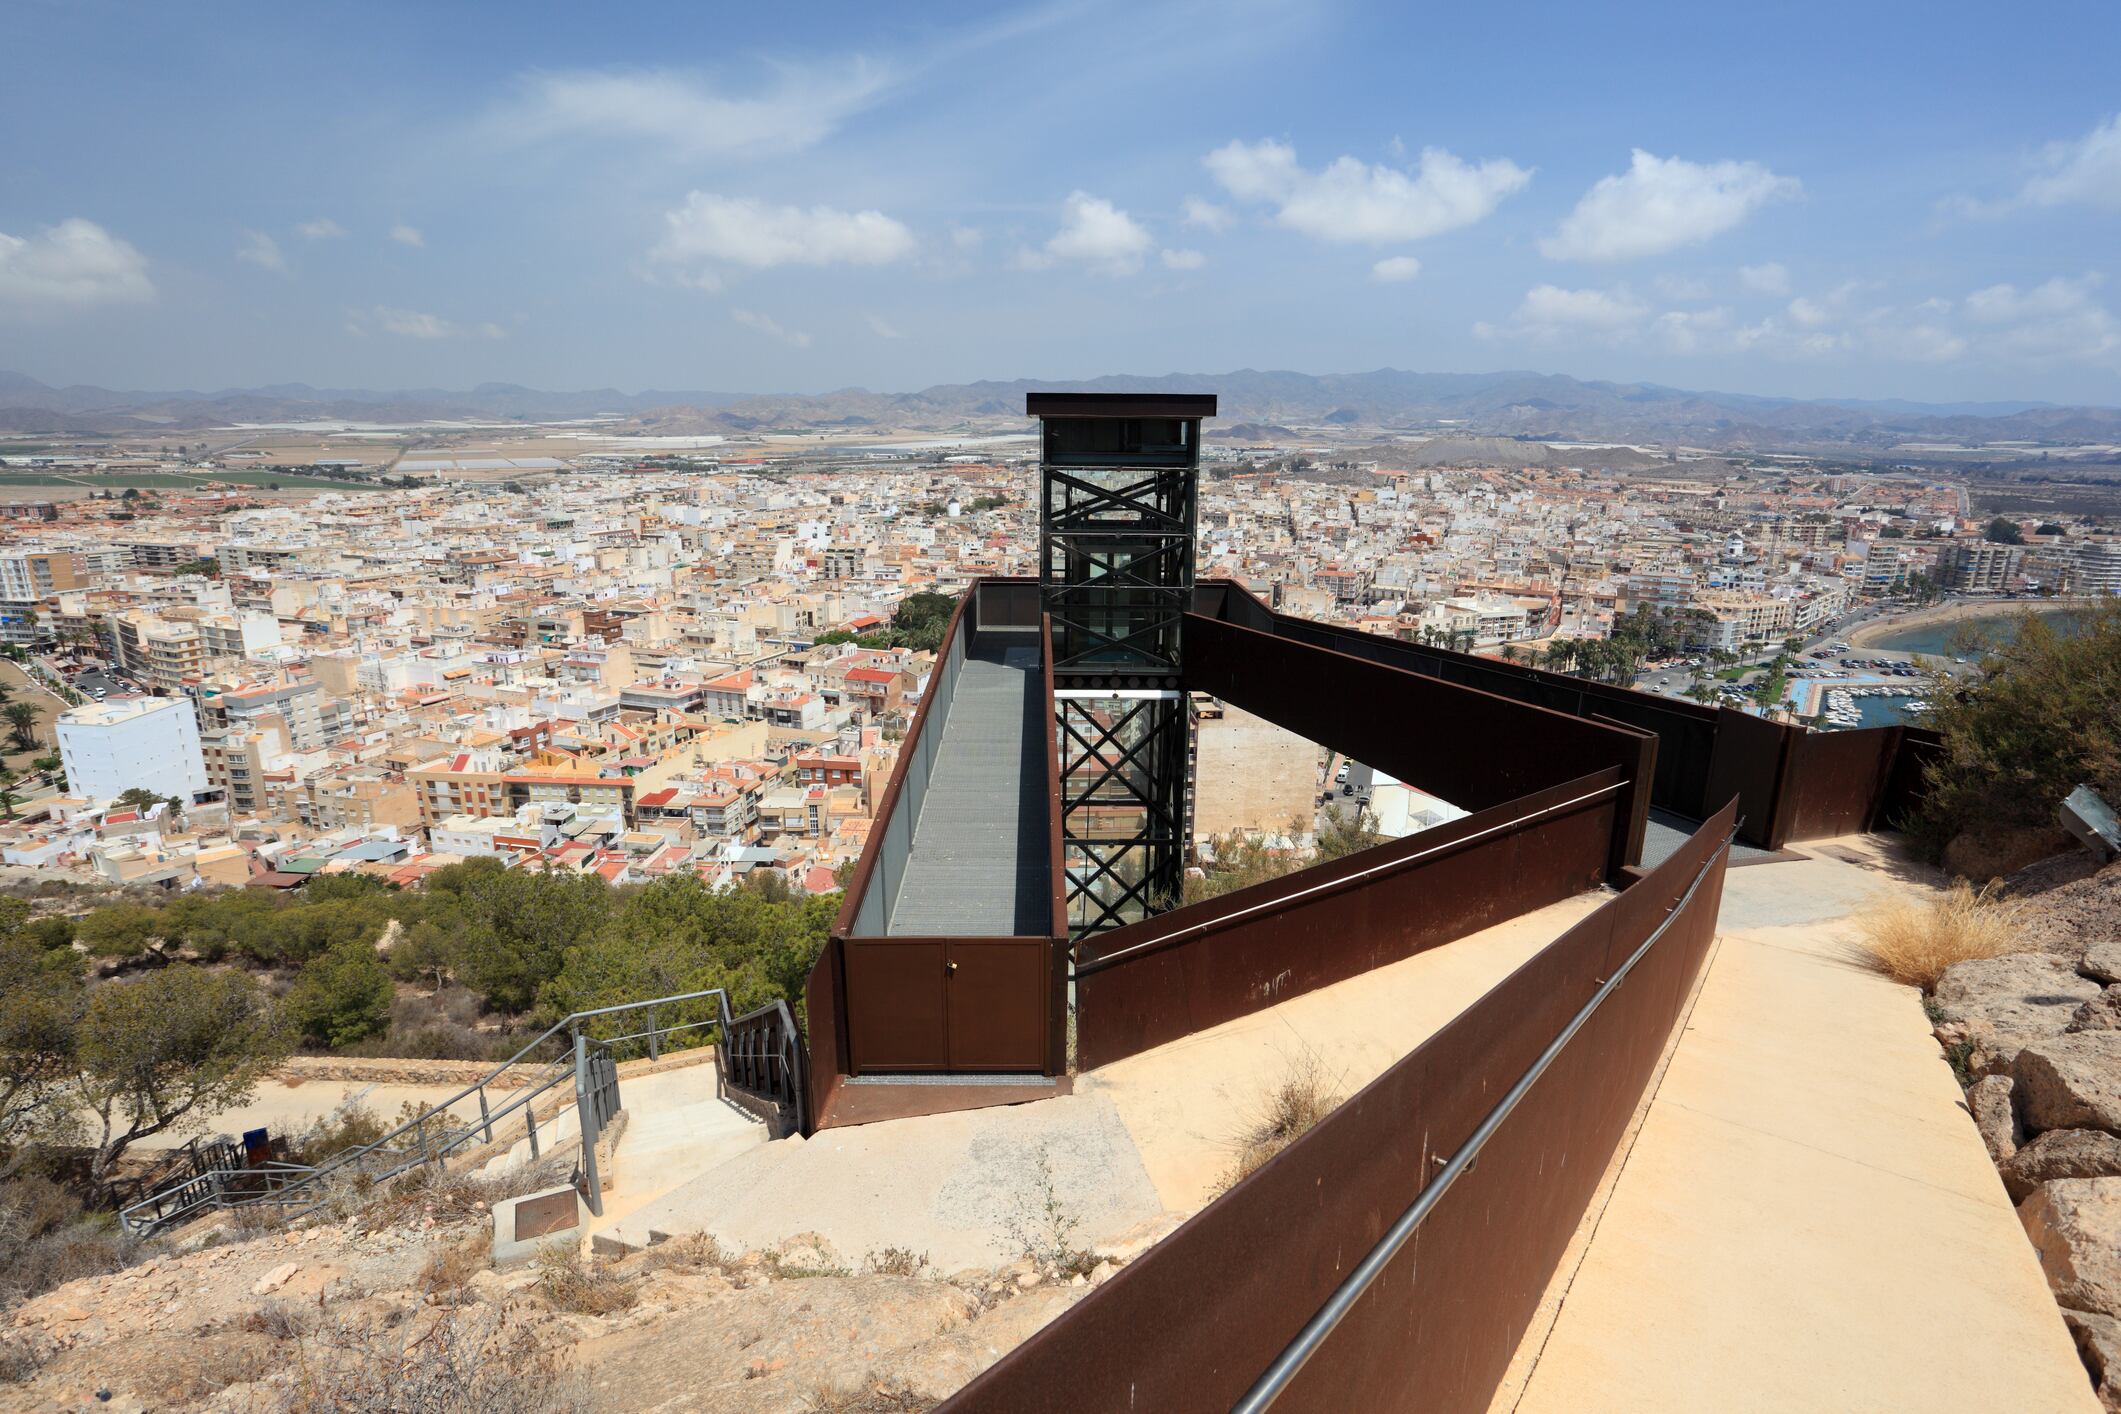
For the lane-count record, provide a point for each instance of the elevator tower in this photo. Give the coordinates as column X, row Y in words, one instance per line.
column 1118, row 477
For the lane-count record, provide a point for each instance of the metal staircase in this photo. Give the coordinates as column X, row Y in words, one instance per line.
column 760, row 1057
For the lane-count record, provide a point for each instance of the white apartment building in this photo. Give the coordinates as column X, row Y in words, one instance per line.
column 147, row 742
column 1732, row 620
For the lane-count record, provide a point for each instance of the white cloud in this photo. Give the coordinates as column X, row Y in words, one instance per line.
column 1549, row 314
column 1395, row 269
column 1662, row 203
column 262, row 251
column 69, row 265
column 1768, row 279
column 1688, row 330
column 1208, row 216
column 1184, row 260
column 685, row 113
column 1690, row 289
column 1096, row 234
column 2057, row 320
column 321, row 229
column 710, row 230
column 1354, row 201
column 413, row 324
column 2084, row 171
column 407, row 235
column 883, row 329
column 966, row 238
column 770, row 327
column 1815, row 311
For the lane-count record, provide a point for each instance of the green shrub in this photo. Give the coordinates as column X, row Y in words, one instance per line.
column 2040, row 716
column 342, row 996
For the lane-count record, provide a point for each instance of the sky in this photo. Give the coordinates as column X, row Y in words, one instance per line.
column 1871, row 200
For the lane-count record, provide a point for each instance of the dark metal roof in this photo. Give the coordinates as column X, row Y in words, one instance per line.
column 1119, row 404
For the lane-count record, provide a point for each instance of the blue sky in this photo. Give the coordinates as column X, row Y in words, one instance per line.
column 1860, row 200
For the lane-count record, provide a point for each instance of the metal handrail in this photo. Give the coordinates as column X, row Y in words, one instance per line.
column 1277, row 1377
column 145, row 1215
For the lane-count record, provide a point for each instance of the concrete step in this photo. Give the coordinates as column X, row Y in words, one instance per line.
column 691, row 1205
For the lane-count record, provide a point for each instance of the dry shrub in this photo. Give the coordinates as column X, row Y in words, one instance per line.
column 876, row 1399
column 46, row 1240
column 895, row 1262
column 571, row 1282
column 448, row 1195
column 351, row 1126
column 1913, row 940
column 450, row 1270
column 1041, row 1226
column 469, row 1361
column 1304, row 1095
column 276, row 1320
column 696, row 1251
column 22, row 1355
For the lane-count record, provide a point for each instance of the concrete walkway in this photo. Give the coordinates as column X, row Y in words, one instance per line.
column 1138, row 1146
column 1806, row 1219
column 979, row 866
column 677, row 1128
column 289, row 1109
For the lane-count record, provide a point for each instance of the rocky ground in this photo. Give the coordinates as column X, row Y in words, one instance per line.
column 2036, row 1038
column 397, row 1303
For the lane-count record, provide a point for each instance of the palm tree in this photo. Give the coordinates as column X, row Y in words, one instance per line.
column 21, row 718
column 7, row 792
column 49, row 765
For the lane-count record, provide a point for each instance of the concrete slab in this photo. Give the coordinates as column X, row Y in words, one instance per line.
column 950, row 1186
column 1807, row 1219
column 525, row 1226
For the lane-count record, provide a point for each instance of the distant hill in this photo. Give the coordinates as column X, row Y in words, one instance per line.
column 1256, row 404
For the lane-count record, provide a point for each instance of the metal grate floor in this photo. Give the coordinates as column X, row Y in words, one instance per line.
column 979, row 865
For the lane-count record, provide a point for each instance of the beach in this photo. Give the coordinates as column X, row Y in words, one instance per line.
column 1960, row 611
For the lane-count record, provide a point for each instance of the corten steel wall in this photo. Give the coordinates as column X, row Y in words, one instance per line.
column 1833, row 781
column 1471, row 748
column 1686, row 731
column 1906, row 779
column 1180, row 972
column 824, row 1034
column 959, row 1003
column 1192, row 1324
column 1748, row 764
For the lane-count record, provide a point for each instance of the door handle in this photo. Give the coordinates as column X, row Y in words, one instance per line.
column 949, row 967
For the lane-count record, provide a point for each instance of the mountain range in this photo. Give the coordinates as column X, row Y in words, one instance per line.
column 1506, row 404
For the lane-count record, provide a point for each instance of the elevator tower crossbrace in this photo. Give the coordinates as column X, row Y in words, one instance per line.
column 1118, row 480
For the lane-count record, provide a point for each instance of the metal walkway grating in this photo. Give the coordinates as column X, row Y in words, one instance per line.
column 979, row 865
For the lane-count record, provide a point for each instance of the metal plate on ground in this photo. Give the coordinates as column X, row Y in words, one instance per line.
column 554, row 1212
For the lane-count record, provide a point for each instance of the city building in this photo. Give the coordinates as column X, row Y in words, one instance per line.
column 128, row 743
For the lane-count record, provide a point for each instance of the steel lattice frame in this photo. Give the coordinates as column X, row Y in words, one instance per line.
column 1116, row 569
column 1119, row 755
